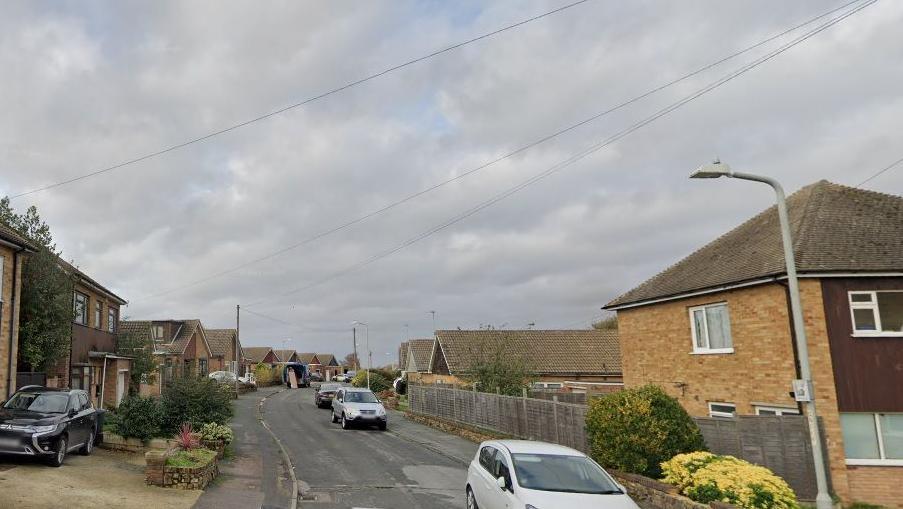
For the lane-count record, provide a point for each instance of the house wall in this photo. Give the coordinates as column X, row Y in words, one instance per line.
column 9, row 319
column 114, row 367
column 656, row 346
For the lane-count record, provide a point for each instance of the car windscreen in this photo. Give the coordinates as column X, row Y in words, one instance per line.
column 572, row 474
column 329, row 387
column 360, row 397
column 47, row 403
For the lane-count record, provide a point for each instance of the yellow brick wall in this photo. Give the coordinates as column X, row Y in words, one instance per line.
column 876, row 485
column 10, row 313
column 656, row 342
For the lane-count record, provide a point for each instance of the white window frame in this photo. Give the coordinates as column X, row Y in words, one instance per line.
column 719, row 413
column 873, row 307
column 697, row 350
column 778, row 410
column 883, row 461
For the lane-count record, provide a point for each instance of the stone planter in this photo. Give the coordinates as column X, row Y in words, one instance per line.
column 215, row 445
column 158, row 473
column 119, row 443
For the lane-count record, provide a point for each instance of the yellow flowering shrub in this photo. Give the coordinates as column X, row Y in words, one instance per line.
column 706, row 477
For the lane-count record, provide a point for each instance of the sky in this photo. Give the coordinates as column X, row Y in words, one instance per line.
column 86, row 85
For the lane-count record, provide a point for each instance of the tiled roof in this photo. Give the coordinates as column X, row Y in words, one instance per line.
column 221, row 341
column 545, row 351
column 285, row 355
column 327, row 359
column 138, row 328
column 8, row 234
column 182, row 338
column 256, row 353
column 308, row 358
column 421, row 351
column 835, row 228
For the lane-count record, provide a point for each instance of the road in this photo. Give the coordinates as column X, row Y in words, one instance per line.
column 364, row 468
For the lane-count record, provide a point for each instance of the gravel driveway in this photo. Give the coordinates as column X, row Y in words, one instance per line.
column 104, row 479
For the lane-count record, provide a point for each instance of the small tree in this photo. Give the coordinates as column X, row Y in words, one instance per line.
column 378, row 382
column 141, row 350
column 495, row 365
column 609, row 323
column 635, row 430
column 351, row 361
column 45, row 316
column 196, row 400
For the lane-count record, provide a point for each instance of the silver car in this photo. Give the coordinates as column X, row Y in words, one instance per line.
column 353, row 406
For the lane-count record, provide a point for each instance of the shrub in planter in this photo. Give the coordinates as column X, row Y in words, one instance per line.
column 137, row 417
column 635, row 430
column 706, row 477
column 378, row 383
column 214, row 432
column 196, row 401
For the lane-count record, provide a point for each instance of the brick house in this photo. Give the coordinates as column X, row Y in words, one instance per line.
column 13, row 249
column 261, row 354
column 286, row 355
column 559, row 359
column 180, row 347
column 92, row 363
column 225, row 348
column 329, row 366
column 714, row 329
column 417, row 356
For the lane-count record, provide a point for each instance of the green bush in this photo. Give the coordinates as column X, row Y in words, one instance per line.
column 196, row 400
column 635, row 430
column 378, row 383
column 706, row 477
column 137, row 417
column 266, row 375
column 213, row 431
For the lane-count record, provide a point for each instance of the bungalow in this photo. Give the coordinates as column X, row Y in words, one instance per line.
column 13, row 248
column 714, row 329
column 329, row 365
column 260, row 354
column 180, row 346
column 226, row 349
column 311, row 360
column 418, row 353
column 286, row 355
column 580, row 359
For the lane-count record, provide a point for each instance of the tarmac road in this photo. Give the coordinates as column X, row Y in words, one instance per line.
column 364, row 468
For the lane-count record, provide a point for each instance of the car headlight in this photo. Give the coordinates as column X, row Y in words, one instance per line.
column 380, row 411
column 40, row 429
column 352, row 411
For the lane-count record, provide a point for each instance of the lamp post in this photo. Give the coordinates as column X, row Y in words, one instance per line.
column 719, row 169
column 369, row 355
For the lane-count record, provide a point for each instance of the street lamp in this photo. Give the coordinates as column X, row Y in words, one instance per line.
column 719, row 169
column 369, row 355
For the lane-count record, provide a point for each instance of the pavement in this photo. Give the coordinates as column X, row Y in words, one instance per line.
column 104, row 479
column 255, row 476
column 410, row 465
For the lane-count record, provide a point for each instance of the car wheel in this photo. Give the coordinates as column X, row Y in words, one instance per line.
column 334, row 418
column 57, row 459
column 345, row 422
column 88, row 448
column 382, row 426
column 471, row 500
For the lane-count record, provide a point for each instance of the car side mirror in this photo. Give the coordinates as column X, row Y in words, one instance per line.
column 502, row 484
column 72, row 412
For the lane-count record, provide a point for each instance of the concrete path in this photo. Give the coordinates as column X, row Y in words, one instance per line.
column 255, row 477
column 409, row 466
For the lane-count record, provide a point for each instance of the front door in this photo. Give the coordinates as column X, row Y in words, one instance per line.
column 120, row 386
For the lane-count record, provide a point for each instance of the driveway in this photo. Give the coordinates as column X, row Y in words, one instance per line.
column 409, row 466
column 104, row 479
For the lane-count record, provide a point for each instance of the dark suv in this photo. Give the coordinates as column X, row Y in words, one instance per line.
column 44, row 422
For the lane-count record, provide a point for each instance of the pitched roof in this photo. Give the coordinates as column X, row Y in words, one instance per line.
column 89, row 281
column 256, row 353
column 10, row 235
column 308, row 358
column 135, row 327
column 285, row 355
column 421, row 352
column 183, row 336
column 327, row 359
column 835, row 228
column 545, row 351
column 221, row 341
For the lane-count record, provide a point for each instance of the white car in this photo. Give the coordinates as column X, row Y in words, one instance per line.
column 538, row 475
column 229, row 377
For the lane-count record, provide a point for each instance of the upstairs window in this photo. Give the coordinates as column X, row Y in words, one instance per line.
column 711, row 329
column 81, row 308
column 878, row 313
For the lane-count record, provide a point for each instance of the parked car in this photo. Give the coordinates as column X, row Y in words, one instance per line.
column 348, row 376
column 325, row 393
column 48, row 423
column 228, row 377
column 524, row 473
column 357, row 405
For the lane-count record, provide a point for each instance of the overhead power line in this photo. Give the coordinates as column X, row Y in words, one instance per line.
column 879, row 172
column 580, row 155
column 309, row 100
column 492, row 162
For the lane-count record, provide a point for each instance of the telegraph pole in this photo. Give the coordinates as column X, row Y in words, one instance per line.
column 357, row 362
column 237, row 349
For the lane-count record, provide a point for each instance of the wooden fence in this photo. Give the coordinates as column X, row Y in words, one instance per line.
column 780, row 443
